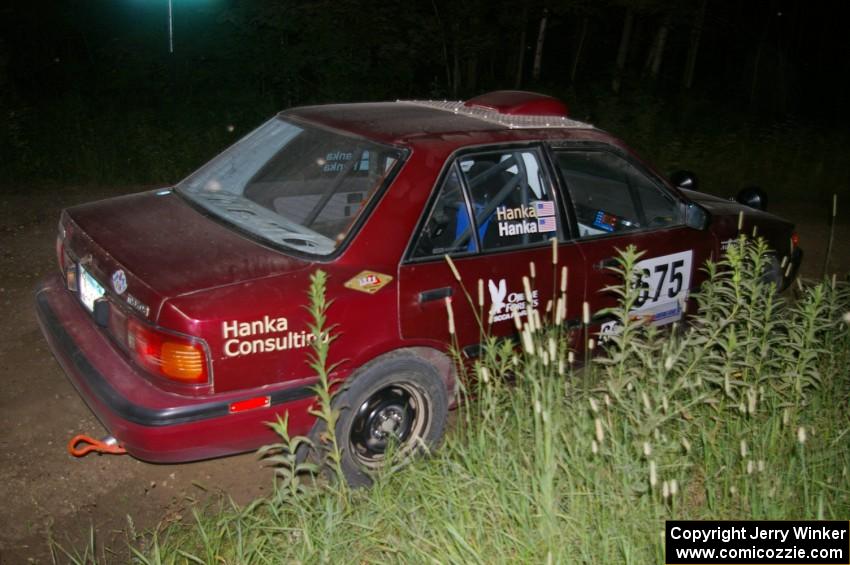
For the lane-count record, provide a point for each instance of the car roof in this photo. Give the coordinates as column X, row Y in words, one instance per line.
column 495, row 117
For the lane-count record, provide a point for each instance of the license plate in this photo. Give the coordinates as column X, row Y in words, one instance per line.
column 90, row 289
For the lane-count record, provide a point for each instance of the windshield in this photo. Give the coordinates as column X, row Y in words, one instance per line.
column 294, row 185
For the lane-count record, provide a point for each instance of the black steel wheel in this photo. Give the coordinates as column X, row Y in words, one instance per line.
column 401, row 400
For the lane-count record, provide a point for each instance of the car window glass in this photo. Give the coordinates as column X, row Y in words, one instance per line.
column 510, row 199
column 610, row 195
column 300, row 186
column 446, row 231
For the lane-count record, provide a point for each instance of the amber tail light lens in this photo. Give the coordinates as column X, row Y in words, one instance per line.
column 175, row 357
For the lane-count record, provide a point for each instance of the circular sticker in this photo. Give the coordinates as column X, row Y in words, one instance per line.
column 119, row 281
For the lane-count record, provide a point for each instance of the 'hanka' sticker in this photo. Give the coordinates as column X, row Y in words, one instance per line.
column 368, row 281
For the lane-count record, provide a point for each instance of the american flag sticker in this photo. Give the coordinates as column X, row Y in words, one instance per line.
column 547, row 224
column 544, row 208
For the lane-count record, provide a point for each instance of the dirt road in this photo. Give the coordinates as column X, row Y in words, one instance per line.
column 46, row 490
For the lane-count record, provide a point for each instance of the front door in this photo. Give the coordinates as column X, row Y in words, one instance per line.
column 616, row 204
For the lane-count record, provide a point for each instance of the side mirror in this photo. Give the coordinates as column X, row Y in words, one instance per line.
column 696, row 217
column 685, row 179
column 754, row 197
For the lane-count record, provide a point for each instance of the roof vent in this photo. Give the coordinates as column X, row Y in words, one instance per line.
column 519, row 103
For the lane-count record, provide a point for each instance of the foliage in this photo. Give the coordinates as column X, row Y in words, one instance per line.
column 740, row 414
column 95, row 96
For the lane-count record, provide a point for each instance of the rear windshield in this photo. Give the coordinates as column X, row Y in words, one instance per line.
column 294, row 185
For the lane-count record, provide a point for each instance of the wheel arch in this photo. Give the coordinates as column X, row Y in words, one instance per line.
column 432, row 356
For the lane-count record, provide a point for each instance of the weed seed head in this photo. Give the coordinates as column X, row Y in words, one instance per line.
column 485, row 374
column 451, row 263
column 526, row 285
column 801, row 435
column 600, row 433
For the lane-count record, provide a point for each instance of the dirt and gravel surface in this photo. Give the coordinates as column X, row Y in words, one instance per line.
column 47, row 492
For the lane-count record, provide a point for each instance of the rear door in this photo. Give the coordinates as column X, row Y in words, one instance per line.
column 494, row 212
column 615, row 203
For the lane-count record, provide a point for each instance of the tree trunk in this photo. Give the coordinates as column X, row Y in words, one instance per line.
column 472, row 73
column 456, row 63
column 445, row 47
column 660, row 43
column 623, row 51
column 521, row 58
column 693, row 47
column 759, row 52
column 538, row 54
column 581, row 37
column 656, row 50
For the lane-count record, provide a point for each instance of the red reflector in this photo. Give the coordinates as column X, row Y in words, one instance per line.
column 250, row 404
column 795, row 240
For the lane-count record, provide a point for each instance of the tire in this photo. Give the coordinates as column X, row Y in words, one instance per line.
column 401, row 396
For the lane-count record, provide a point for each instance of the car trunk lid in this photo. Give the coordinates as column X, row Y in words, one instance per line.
column 148, row 247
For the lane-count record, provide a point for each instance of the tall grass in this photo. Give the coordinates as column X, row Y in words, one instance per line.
column 742, row 413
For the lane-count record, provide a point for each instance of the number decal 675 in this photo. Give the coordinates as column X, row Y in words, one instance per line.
column 663, row 279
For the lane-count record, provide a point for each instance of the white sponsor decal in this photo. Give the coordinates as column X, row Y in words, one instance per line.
column 538, row 217
column 609, row 329
column 262, row 336
column 664, row 285
column 503, row 303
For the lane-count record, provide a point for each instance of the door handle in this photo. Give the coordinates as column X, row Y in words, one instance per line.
column 606, row 264
column 435, row 294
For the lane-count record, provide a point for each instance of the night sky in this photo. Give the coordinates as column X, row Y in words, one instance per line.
column 91, row 91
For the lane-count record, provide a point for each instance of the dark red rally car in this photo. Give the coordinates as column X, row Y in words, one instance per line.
column 179, row 314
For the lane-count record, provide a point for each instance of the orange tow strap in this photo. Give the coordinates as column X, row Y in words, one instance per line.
column 92, row 444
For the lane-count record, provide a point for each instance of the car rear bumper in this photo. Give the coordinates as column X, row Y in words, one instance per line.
column 153, row 424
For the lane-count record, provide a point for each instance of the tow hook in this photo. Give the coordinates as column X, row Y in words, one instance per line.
column 109, row 444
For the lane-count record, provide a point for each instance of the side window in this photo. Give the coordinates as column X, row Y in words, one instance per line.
column 447, row 229
column 610, row 195
column 510, row 202
column 510, row 199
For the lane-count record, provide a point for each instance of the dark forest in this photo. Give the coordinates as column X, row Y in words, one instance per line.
column 100, row 91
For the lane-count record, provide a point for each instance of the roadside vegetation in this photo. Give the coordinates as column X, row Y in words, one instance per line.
column 740, row 414
column 727, row 148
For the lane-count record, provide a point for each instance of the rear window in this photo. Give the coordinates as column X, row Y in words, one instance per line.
column 294, row 185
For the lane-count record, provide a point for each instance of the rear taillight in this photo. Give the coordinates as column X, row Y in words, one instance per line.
column 795, row 240
column 174, row 356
